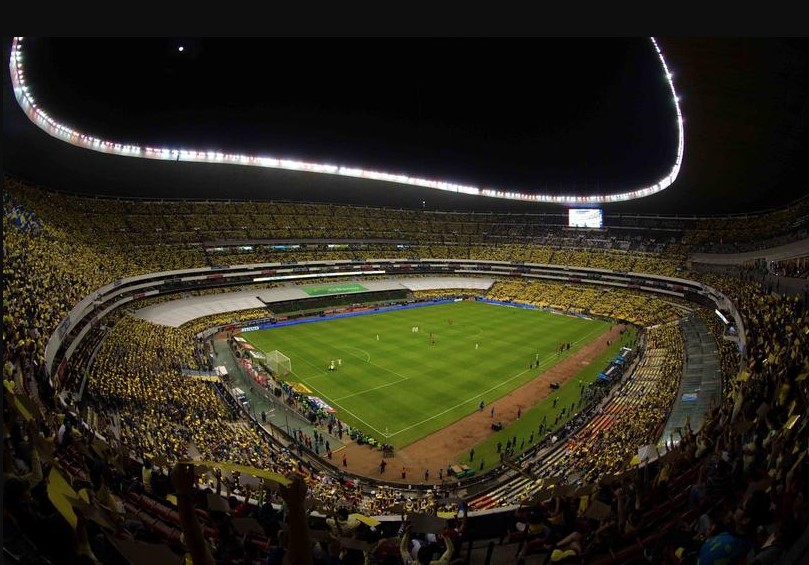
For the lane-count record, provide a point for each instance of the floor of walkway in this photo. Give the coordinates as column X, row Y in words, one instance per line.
column 278, row 414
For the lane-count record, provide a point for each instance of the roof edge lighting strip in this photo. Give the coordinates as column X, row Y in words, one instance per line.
column 39, row 116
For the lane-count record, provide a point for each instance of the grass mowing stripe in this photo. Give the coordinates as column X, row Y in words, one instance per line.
column 370, row 426
column 509, row 340
column 477, row 396
column 314, row 389
column 533, row 417
column 361, row 392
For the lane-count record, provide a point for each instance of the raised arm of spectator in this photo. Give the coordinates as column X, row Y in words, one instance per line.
column 337, row 526
column 299, row 551
column 465, row 519
column 404, row 545
column 557, row 505
column 621, row 514
column 183, row 479
column 447, row 555
column 35, row 476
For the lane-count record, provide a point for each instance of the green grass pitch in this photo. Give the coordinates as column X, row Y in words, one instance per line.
column 399, row 386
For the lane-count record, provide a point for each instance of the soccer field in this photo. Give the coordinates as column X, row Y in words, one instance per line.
column 398, row 385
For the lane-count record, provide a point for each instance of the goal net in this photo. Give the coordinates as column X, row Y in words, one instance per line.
column 279, row 363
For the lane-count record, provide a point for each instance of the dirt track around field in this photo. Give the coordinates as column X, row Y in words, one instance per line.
column 448, row 444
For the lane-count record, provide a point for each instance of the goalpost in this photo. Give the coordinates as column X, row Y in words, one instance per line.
column 279, row 363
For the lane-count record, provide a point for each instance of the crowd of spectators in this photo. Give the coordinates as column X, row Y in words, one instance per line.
column 734, row 491
column 795, row 268
column 199, row 325
column 445, row 294
column 151, row 236
column 160, row 414
column 728, row 349
column 611, row 303
column 615, row 417
column 634, row 415
column 742, row 233
column 20, row 217
column 748, row 497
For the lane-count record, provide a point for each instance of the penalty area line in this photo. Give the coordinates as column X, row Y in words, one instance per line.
column 353, row 394
column 347, row 411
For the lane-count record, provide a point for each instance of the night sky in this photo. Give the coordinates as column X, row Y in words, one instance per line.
column 545, row 115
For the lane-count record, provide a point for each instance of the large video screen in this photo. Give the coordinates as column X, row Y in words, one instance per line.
column 585, row 218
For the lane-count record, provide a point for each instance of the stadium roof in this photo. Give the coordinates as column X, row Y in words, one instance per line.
column 562, row 116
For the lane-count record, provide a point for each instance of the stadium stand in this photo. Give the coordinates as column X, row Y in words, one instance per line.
column 95, row 460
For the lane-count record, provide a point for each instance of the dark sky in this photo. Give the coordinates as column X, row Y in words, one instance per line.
column 545, row 115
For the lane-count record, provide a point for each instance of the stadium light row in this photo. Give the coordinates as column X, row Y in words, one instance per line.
column 40, row 118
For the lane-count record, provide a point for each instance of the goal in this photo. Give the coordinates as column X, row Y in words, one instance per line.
column 279, row 363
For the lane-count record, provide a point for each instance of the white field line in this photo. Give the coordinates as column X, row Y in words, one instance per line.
column 403, row 379
column 348, row 411
column 336, row 404
column 367, row 355
column 495, row 387
column 388, row 435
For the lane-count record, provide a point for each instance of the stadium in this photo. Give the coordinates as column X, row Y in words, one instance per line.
column 410, row 317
